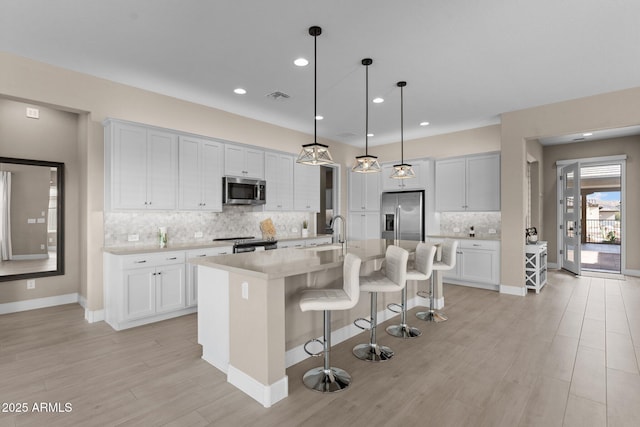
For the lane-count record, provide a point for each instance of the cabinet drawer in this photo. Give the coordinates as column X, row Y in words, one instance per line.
column 153, row 259
column 199, row 253
column 480, row 244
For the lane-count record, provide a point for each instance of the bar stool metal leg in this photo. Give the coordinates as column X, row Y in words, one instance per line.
column 325, row 378
column 432, row 315
column 371, row 351
column 403, row 330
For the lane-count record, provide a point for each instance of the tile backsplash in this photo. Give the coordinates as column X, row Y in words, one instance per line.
column 233, row 221
column 481, row 221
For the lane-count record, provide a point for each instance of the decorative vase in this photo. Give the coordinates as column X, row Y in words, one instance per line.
column 305, row 232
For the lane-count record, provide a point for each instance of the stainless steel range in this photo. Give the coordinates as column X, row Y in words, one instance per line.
column 249, row 244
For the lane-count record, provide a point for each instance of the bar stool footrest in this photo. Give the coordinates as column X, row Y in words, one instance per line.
column 395, row 307
column 424, row 294
column 362, row 319
column 317, row 354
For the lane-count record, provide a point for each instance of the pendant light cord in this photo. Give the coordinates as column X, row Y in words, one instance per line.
column 366, row 109
column 315, row 88
column 401, row 125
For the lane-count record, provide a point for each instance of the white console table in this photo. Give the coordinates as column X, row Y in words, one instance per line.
column 535, row 266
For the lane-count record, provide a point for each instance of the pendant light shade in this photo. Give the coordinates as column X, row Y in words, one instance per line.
column 366, row 163
column 315, row 153
column 402, row 170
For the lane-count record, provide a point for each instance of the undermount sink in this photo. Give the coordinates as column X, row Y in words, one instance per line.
column 323, row 248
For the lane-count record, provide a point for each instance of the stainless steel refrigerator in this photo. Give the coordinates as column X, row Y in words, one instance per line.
column 403, row 215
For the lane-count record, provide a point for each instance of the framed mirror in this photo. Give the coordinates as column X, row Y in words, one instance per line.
column 31, row 219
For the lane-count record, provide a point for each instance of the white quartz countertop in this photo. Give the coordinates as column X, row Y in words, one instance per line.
column 146, row 248
column 287, row 262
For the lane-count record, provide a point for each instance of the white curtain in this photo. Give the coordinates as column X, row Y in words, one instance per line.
column 5, row 225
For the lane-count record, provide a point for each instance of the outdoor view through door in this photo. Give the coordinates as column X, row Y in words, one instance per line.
column 591, row 207
column 600, row 191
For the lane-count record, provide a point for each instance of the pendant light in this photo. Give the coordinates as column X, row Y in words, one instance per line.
column 366, row 163
column 402, row 170
column 315, row 153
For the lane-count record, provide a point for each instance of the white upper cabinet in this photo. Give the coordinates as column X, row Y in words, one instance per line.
column 200, row 174
column 279, row 176
column 243, row 161
column 417, row 183
column 364, row 191
column 469, row 183
column 141, row 167
column 306, row 188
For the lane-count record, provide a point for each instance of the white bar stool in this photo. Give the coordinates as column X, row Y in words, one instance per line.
column 421, row 269
column 392, row 279
column 448, row 262
column 425, row 254
column 327, row 378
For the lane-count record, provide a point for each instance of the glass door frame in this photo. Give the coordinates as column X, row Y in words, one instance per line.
column 593, row 161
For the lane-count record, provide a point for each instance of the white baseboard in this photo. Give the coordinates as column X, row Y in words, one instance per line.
column 33, row 304
column 267, row 395
column 629, row 272
column 91, row 316
column 513, row 290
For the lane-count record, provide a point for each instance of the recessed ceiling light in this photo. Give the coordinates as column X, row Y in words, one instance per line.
column 424, row 123
column 239, row 91
column 587, row 134
column 301, row 62
column 378, row 100
column 369, row 135
column 319, row 117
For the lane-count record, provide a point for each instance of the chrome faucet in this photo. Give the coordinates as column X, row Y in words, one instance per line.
column 343, row 230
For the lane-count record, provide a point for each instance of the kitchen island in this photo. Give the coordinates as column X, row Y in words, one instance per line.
column 249, row 322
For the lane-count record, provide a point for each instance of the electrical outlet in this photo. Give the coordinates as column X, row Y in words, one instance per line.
column 31, row 284
column 133, row 237
column 198, row 234
column 245, row 290
column 492, row 231
column 456, row 229
column 33, row 113
column 31, row 220
column 40, row 220
column 41, row 247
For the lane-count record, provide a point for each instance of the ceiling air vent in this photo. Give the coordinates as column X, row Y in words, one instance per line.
column 278, row 95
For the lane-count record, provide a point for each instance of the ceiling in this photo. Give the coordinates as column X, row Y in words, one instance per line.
column 465, row 62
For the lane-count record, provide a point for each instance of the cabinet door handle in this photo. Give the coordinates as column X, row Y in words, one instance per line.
column 172, row 258
column 201, row 255
column 159, row 273
column 223, row 253
column 475, row 244
column 141, row 262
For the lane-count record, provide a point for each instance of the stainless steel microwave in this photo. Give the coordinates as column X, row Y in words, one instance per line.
column 243, row 191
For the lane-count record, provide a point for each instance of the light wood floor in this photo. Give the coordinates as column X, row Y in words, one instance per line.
column 568, row 356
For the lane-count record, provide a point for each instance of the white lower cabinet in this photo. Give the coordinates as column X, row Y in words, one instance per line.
column 477, row 264
column 192, row 270
column 149, row 287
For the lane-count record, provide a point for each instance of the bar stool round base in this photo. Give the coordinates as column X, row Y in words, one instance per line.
column 432, row 316
column 326, row 381
column 403, row 331
column 372, row 352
